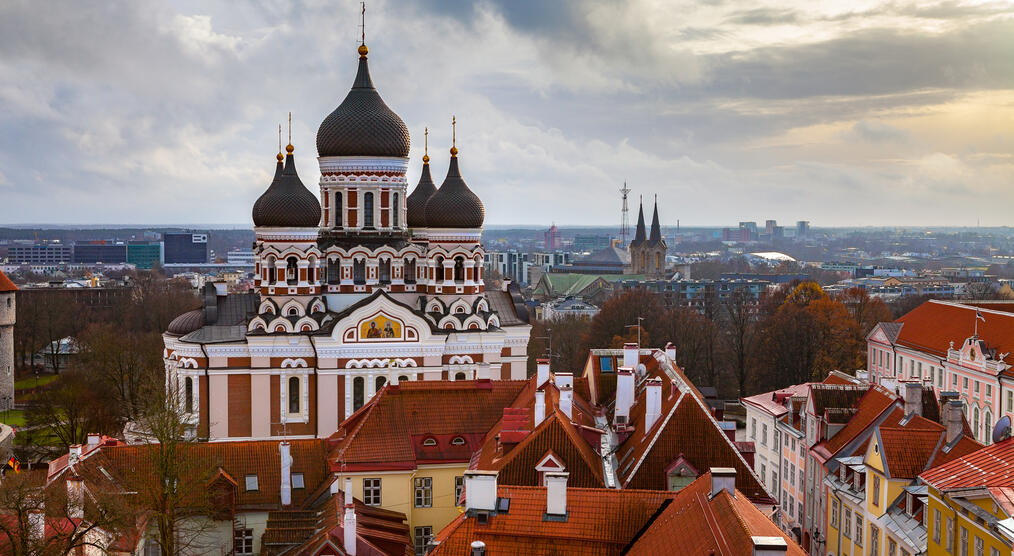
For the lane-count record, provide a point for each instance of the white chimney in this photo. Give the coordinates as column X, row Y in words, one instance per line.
column 556, row 492
column 74, row 454
column 482, row 371
column 769, row 546
column 670, row 351
column 624, row 395
column 394, row 379
column 542, row 372
column 349, row 523
column 480, row 490
column 335, row 486
column 283, row 449
column 630, row 355
column 723, row 478
column 955, row 420
column 37, row 523
column 564, row 379
column 221, row 288
column 478, row 548
column 567, row 401
column 913, row 398
column 75, row 498
column 652, row 403
column 94, row 439
column 540, row 407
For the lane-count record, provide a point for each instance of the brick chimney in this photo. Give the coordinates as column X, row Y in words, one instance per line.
column 624, row 395
column 286, row 466
column 913, row 398
column 540, row 407
column 769, row 546
column 349, row 521
column 75, row 498
column 480, row 490
column 723, row 478
column 955, row 421
column 652, row 402
column 631, row 355
column 541, row 372
column 556, row 493
column 567, row 401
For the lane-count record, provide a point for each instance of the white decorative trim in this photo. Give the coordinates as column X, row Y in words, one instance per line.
column 188, row 363
column 352, row 164
column 380, row 363
column 292, row 363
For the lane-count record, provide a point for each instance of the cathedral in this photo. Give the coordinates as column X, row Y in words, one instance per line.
column 361, row 286
column 647, row 252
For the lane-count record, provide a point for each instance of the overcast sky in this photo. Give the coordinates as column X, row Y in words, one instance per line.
column 842, row 113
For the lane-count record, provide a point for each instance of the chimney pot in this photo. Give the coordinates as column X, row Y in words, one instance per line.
column 670, row 351
column 74, row 454
column 624, row 395
column 286, row 469
column 348, row 492
column 955, row 420
column 349, row 525
column 653, row 403
column 542, row 372
column 480, row 490
column 631, row 355
column 478, row 548
column 564, row 379
column 556, row 492
column 94, row 439
column 723, row 478
column 567, row 401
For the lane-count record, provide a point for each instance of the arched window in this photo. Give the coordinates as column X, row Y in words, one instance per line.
column 430, row 441
column 293, row 312
column 358, row 392
column 359, row 271
column 987, row 429
column 403, row 378
column 460, row 376
column 644, row 263
column 294, row 394
column 439, row 276
column 380, row 382
column 410, row 271
column 975, row 422
column 188, row 396
column 272, row 271
column 334, row 271
column 658, row 262
column 291, row 271
column 368, row 210
column 385, row 271
column 459, row 269
column 394, row 210
column 338, row 209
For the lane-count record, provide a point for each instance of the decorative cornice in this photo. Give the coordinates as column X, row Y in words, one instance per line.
column 355, row 164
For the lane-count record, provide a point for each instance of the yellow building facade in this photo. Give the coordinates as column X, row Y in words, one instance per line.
column 966, row 524
column 428, row 495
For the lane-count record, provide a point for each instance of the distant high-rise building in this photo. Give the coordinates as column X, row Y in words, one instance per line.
column 100, row 252
column 802, row 228
column 144, row 254
column 185, row 247
column 551, row 237
column 751, row 228
column 769, row 227
column 40, row 253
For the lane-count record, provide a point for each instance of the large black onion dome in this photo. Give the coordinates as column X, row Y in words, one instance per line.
column 363, row 125
column 454, row 205
column 186, row 323
column 419, row 197
column 287, row 203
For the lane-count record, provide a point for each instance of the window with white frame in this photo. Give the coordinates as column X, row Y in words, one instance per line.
column 459, row 488
column 242, row 541
column 424, row 492
column 834, row 514
column 858, row 537
column 846, row 523
column 298, row 481
column 252, row 483
column 371, row 492
column 423, row 535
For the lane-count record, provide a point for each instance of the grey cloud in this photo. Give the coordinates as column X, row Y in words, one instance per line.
column 764, row 16
column 877, row 131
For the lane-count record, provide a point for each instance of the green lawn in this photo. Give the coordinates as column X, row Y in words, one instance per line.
column 14, row 417
column 31, row 382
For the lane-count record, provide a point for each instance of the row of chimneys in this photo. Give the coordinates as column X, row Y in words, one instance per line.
column 951, row 412
column 481, row 496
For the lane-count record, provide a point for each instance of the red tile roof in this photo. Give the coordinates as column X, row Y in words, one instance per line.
column 5, row 283
column 599, row 522
column 390, row 431
column 694, row 523
column 685, row 429
column 768, row 401
column 992, row 466
column 874, row 403
column 932, row 326
column 912, row 447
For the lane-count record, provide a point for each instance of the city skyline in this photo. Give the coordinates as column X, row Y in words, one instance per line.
column 841, row 114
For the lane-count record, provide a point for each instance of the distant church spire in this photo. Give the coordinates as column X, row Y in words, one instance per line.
column 656, row 230
column 639, row 233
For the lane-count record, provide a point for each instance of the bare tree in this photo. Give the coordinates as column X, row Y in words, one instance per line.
column 738, row 331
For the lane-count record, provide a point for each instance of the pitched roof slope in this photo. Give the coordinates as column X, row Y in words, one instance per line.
column 932, row 326
column 389, row 431
column 5, row 284
column 910, row 448
column 873, row 404
column 992, row 466
column 694, row 523
column 599, row 522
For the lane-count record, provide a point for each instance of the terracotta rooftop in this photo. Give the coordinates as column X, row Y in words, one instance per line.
column 392, row 429
column 992, row 467
column 932, row 326
column 769, row 401
column 910, row 448
column 695, row 523
column 599, row 522
column 5, row 283
column 872, row 404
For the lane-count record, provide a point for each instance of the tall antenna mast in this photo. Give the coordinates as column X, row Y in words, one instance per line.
column 624, row 227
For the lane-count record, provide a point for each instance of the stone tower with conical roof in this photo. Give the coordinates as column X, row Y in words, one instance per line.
column 647, row 251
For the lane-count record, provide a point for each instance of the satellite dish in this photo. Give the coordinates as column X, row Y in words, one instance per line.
column 1001, row 431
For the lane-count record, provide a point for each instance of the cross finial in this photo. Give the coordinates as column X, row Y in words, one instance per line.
column 362, row 39
column 289, row 148
column 454, row 136
column 426, row 146
column 280, row 142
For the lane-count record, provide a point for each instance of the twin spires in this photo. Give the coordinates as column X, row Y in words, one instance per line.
column 640, row 235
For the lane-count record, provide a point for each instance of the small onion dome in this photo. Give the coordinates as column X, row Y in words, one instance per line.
column 186, row 323
column 454, row 205
column 419, row 197
column 363, row 125
column 287, row 203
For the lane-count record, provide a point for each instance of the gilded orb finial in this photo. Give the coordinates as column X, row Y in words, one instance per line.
column 363, row 51
column 279, row 156
column 289, row 148
column 454, row 136
column 426, row 148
